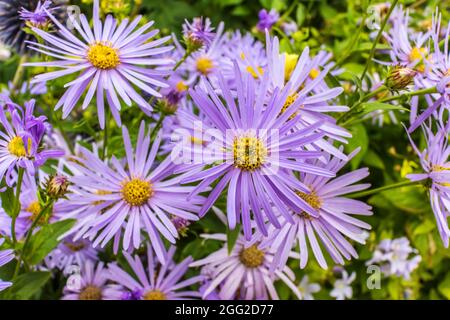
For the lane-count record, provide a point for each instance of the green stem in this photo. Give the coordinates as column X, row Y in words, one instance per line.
column 29, row 234
column 381, row 189
column 375, row 92
column 410, row 94
column 105, row 134
column 16, row 205
column 183, row 59
column 377, row 39
column 157, row 126
column 19, row 73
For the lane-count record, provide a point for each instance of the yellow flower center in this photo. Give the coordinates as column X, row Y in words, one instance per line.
column 418, row 55
column 251, row 257
column 76, row 246
column 91, row 292
column 289, row 101
column 314, row 73
column 290, row 63
column 249, row 153
column 155, row 295
column 16, row 147
column 439, row 168
column 136, row 192
column 204, row 65
column 103, row 56
column 310, row 198
column 35, row 209
column 255, row 74
column 181, row 86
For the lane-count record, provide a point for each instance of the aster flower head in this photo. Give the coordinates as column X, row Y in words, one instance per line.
column 198, row 33
column 17, row 14
column 5, row 257
column 267, row 19
column 330, row 223
column 435, row 163
column 91, row 284
column 38, row 17
column 244, row 273
column 21, row 138
column 342, row 287
column 118, row 200
column 161, row 281
column 110, row 61
column 251, row 148
column 70, row 253
column 394, row 257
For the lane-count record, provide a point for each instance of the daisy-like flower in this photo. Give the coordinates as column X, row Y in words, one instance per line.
column 393, row 256
column 20, row 140
column 267, row 19
column 307, row 288
column 91, row 284
column 206, row 61
column 108, row 61
column 342, row 287
column 162, row 281
column 71, row 253
column 305, row 79
column 16, row 14
column 199, row 32
column 120, row 199
column 244, row 273
column 331, row 221
column 5, row 257
column 250, row 145
column 436, row 176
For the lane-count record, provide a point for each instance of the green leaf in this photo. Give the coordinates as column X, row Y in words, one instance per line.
column 27, row 284
column 232, row 236
column 45, row 240
column 369, row 107
column 300, row 14
column 372, row 159
column 8, row 201
column 359, row 139
column 444, row 286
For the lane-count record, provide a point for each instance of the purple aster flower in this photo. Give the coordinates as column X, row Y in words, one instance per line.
column 162, row 281
column 436, row 176
column 5, row 257
column 120, row 199
column 108, row 61
column 267, row 19
column 71, row 253
column 26, row 88
column 305, row 79
column 393, row 256
column 331, row 221
column 91, row 284
column 250, row 147
column 199, row 31
column 20, row 140
column 244, row 273
column 15, row 15
column 38, row 17
column 205, row 61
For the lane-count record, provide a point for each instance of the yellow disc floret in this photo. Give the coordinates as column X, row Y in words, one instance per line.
column 16, row 147
column 155, row 295
column 249, row 153
column 312, row 199
column 256, row 74
column 91, row 292
column 290, row 63
column 35, row 209
column 251, row 257
column 204, row 65
column 136, row 192
column 314, row 73
column 103, row 56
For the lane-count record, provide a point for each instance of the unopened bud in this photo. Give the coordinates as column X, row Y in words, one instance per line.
column 57, row 186
column 399, row 78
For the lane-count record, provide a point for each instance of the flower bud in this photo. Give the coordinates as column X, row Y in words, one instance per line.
column 399, row 77
column 57, row 186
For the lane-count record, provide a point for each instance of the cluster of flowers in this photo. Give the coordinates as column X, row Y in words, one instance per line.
column 232, row 117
